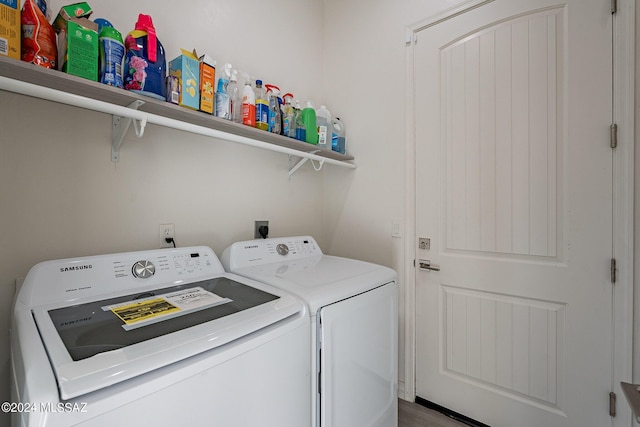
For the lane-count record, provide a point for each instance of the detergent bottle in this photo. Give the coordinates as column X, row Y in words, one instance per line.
column 145, row 63
column 339, row 136
column 323, row 119
column 309, row 119
column 262, row 107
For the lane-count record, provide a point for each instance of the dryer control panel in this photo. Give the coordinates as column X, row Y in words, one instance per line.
column 265, row 251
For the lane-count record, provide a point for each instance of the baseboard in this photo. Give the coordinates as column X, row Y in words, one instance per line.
column 449, row 413
column 401, row 391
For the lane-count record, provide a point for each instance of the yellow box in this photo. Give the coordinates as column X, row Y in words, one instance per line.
column 186, row 68
column 207, row 81
column 10, row 28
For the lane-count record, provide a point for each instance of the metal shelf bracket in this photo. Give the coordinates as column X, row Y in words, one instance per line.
column 120, row 128
column 302, row 161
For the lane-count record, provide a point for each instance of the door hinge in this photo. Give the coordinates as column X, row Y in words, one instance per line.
column 612, row 404
column 613, row 270
column 410, row 37
column 613, row 135
column 614, row 6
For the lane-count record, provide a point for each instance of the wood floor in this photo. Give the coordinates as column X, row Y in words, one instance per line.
column 414, row 415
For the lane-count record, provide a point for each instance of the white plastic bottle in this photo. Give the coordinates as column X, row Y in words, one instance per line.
column 248, row 105
column 323, row 123
column 235, row 98
column 339, row 136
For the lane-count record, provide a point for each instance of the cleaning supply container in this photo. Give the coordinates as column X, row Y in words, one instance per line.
column 309, row 119
column 111, row 57
column 262, row 107
column 248, row 105
column 323, row 123
column 339, row 136
column 145, row 62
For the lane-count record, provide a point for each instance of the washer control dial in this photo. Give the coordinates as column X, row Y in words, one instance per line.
column 143, row 269
column 282, row 249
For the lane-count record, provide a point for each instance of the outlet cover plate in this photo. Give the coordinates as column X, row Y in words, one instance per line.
column 256, row 227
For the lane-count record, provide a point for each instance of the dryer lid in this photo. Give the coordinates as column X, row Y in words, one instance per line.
column 321, row 280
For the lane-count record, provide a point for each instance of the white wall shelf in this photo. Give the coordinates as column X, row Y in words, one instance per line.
column 127, row 107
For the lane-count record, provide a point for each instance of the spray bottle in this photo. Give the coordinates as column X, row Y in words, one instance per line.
column 223, row 107
column 288, row 117
column 275, row 113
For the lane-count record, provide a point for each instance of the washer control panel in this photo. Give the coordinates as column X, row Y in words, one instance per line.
column 96, row 275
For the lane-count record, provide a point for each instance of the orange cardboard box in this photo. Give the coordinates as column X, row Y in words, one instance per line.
column 207, row 81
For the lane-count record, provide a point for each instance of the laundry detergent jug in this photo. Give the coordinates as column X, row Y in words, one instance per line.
column 145, row 67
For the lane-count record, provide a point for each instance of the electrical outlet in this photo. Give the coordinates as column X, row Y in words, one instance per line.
column 256, row 228
column 166, row 231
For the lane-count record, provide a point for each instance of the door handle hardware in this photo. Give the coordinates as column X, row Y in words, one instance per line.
column 425, row 265
column 424, row 243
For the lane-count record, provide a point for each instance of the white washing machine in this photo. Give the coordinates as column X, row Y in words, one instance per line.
column 354, row 325
column 162, row 338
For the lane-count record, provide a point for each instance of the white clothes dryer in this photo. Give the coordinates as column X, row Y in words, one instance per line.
column 354, row 325
column 163, row 338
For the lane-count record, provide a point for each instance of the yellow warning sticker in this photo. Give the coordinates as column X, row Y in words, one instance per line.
column 144, row 310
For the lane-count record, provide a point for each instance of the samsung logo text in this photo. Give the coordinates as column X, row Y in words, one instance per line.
column 75, row 268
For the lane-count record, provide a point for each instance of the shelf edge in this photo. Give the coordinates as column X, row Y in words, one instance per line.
column 36, row 91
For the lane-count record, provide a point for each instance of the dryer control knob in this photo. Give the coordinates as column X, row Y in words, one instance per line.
column 143, row 269
column 282, row 249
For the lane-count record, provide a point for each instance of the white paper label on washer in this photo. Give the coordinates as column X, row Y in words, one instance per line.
column 146, row 311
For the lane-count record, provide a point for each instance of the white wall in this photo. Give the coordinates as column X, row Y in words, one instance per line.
column 365, row 83
column 61, row 196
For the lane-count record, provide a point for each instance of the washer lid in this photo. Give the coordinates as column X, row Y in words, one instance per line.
column 321, row 280
column 94, row 344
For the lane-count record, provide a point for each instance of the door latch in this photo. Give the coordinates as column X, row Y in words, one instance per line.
column 424, row 243
column 425, row 265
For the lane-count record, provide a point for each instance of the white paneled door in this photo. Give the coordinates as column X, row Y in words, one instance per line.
column 513, row 104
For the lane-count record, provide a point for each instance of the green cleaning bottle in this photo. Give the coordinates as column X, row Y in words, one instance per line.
column 309, row 119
